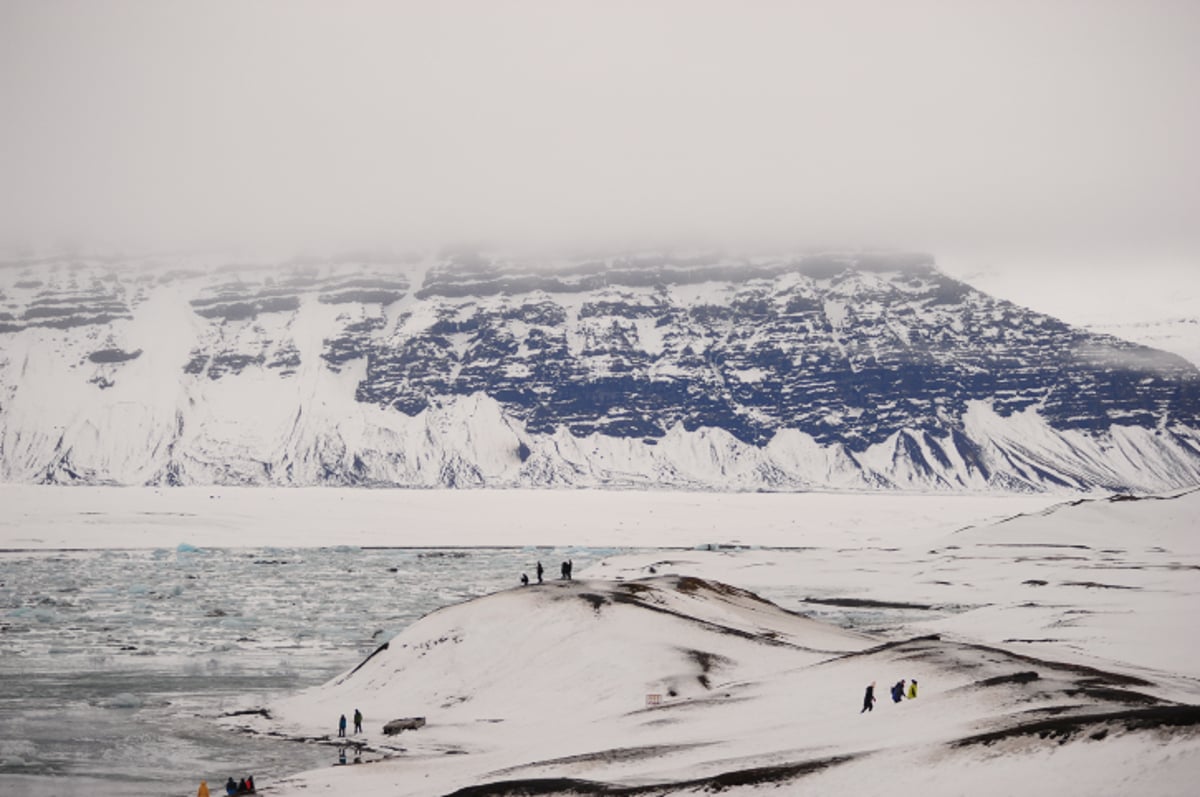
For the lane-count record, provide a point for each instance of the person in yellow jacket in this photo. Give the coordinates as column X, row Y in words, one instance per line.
column 912, row 690
column 203, row 789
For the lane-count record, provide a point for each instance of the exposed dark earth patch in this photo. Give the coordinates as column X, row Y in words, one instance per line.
column 1096, row 585
column 606, row 756
column 1016, row 678
column 866, row 603
column 1063, row 729
column 778, row 775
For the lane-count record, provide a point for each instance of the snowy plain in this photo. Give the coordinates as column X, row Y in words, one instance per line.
column 545, row 687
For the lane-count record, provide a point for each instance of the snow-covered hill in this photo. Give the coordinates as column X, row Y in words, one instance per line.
column 546, row 690
column 793, row 372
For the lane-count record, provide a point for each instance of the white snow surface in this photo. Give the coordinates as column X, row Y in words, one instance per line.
column 549, row 682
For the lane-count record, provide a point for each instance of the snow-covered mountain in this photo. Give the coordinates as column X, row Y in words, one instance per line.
column 859, row 370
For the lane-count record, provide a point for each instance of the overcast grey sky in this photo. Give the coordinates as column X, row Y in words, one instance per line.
column 1045, row 131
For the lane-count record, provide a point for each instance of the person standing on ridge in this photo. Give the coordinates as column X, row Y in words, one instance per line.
column 563, row 570
column 357, row 721
column 869, row 699
column 539, row 572
column 570, row 568
column 342, row 726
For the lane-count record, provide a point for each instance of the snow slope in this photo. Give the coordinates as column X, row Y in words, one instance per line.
column 542, row 689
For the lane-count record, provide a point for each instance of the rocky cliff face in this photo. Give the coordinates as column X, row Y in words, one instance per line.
column 793, row 372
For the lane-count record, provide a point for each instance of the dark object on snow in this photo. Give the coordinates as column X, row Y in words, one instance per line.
column 404, row 724
column 342, row 726
column 357, row 721
column 898, row 691
column 231, row 786
column 524, row 580
column 539, row 572
column 869, row 698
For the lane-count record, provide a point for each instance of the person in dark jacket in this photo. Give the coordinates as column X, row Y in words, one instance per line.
column 231, row 786
column 898, row 691
column 342, row 726
column 524, row 580
column 869, row 699
column 357, row 721
column 539, row 572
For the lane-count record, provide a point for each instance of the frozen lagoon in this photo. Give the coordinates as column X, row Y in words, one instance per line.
column 115, row 662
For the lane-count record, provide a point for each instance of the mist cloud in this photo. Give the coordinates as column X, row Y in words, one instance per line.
column 1036, row 127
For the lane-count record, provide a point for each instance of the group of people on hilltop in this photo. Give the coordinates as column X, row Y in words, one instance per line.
column 567, row 566
column 898, row 694
column 358, row 718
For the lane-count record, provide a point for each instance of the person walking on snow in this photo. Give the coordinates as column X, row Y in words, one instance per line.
column 869, row 699
column 357, row 721
column 912, row 690
column 898, row 691
column 342, row 726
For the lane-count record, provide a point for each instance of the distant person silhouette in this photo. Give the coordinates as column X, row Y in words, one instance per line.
column 898, row 691
column 342, row 726
column 539, row 572
column 565, row 571
column 231, row 786
column 357, row 721
column 570, row 568
column 912, row 690
column 524, row 580
column 869, row 699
